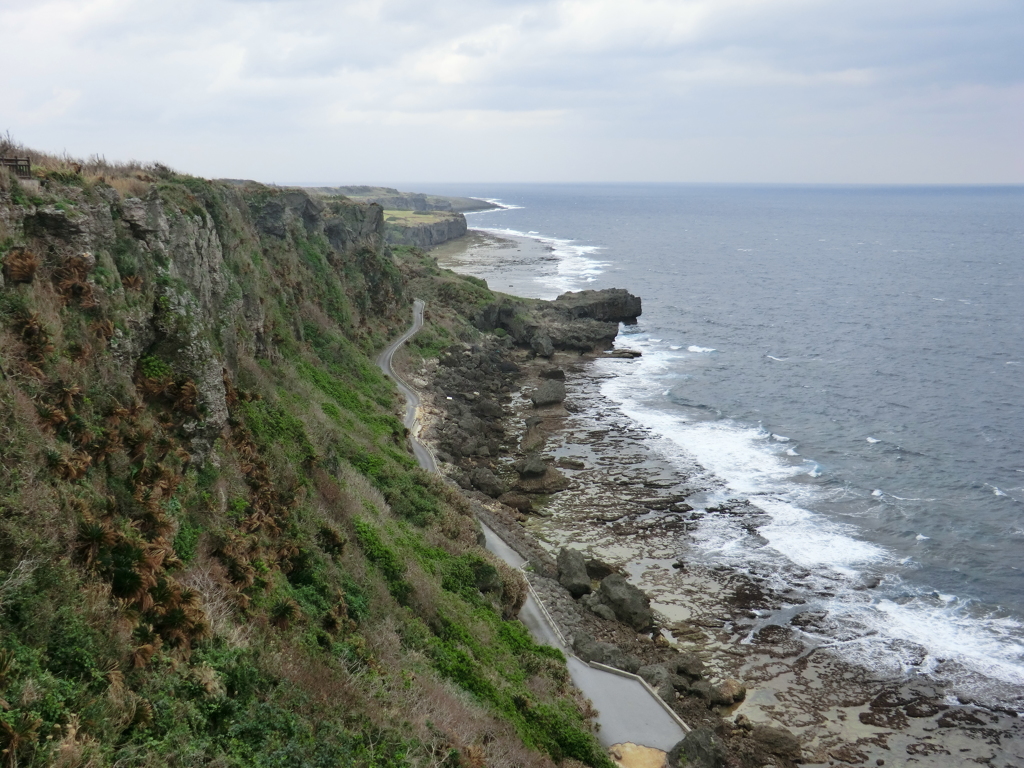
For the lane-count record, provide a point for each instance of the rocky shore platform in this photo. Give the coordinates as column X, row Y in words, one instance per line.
column 607, row 524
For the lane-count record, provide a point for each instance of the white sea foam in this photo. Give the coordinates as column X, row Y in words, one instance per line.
column 749, row 461
column 575, row 266
column 873, row 440
column 675, row 348
column 946, row 628
column 494, row 201
column 695, row 348
column 922, row 537
column 810, row 541
column 778, row 359
column 895, row 628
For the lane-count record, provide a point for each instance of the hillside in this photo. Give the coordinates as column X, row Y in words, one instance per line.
column 215, row 545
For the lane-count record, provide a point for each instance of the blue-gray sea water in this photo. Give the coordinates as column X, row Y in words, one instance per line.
column 849, row 358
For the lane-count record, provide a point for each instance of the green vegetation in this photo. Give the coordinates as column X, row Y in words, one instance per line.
column 215, row 547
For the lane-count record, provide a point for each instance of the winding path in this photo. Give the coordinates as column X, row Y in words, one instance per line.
column 629, row 711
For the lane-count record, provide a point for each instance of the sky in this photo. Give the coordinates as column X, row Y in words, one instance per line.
column 414, row 91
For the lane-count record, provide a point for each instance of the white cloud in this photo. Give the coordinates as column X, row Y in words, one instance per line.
column 571, row 89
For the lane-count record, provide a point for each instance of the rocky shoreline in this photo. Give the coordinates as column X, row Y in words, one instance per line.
column 511, row 420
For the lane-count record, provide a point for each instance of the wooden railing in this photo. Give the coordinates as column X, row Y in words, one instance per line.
column 22, row 166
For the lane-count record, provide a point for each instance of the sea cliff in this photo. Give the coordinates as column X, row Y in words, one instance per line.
column 422, row 229
column 215, row 544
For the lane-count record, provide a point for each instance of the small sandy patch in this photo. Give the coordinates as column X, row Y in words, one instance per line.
column 634, row 756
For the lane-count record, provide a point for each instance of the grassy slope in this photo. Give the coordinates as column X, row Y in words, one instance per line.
column 305, row 595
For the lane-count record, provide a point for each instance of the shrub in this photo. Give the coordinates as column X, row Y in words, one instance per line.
column 20, row 265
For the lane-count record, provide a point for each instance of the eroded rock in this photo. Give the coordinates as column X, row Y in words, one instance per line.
column 550, row 392
column 660, row 679
column 777, row 741
column 608, row 654
column 700, row 749
column 572, row 572
column 485, row 481
column 629, row 604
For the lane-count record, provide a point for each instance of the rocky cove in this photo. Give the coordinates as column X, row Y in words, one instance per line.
column 519, row 423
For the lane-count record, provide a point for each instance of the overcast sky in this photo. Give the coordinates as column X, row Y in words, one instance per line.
column 409, row 91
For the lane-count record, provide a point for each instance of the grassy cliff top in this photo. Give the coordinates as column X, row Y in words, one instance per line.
column 416, row 218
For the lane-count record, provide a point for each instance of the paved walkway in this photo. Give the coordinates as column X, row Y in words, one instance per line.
column 628, row 710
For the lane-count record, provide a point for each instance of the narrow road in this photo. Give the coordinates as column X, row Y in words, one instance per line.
column 628, row 711
column 412, row 400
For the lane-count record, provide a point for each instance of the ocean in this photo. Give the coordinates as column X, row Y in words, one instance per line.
column 848, row 359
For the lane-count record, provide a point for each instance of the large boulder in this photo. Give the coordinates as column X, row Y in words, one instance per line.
column 487, row 482
column 728, row 692
column 688, row 663
column 572, row 572
column 532, row 466
column 552, row 481
column 778, row 741
column 550, row 392
column 700, row 749
column 660, row 679
column 488, row 408
column 517, row 501
column 541, row 344
column 589, row 649
column 630, row 605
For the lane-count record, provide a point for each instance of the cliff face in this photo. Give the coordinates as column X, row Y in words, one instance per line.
column 423, row 231
column 180, row 297
column 215, row 546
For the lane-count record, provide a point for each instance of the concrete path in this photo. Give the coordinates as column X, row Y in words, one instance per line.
column 412, row 400
column 628, row 709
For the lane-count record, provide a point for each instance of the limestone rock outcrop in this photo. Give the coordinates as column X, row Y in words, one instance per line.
column 439, row 228
column 626, row 602
column 610, row 305
column 584, row 322
column 588, row 649
column 572, row 572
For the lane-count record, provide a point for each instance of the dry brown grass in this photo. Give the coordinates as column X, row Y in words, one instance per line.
column 137, row 175
column 359, row 487
column 130, row 186
column 20, row 265
column 75, row 748
column 209, row 578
